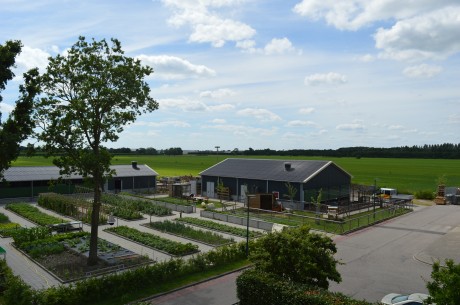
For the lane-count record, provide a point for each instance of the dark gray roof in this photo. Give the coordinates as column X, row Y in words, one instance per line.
column 46, row 173
column 268, row 169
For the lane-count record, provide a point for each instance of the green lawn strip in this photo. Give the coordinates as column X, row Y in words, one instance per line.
column 175, row 283
column 33, row 214
column 208, row 224
column 182, row 230
column 155, row 242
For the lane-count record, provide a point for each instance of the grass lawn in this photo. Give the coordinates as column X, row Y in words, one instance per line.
column 406, row 175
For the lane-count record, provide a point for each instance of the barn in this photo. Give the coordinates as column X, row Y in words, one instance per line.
column 31, row 180
column 253, row 176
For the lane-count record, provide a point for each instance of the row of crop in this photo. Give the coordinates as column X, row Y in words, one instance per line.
column 132, row 208
column 155, row 242
column 6, row 226
column 73, row 207
column 117, row 286
column 33, row 214
column 182, row 230
column 39, row 241
column 209, row 224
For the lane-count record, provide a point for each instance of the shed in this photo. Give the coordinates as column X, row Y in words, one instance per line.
column 254, row 176
column 29, row 181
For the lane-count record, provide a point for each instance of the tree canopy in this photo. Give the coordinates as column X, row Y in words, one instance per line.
column 444, row 289
column 89, row 95
column 297, row 255
column 19, row 124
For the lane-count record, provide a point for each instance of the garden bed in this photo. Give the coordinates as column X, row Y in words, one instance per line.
column 160, row 244
column 7, row 227
column 181, row 230
column 65, row 255
column 212, row 225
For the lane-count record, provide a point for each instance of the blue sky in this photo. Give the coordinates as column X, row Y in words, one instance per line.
column 311, row 74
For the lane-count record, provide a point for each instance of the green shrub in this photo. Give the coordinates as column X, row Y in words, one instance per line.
column 260, row 288
column 428, row 195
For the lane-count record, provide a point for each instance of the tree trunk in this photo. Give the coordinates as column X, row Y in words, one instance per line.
column 92, row 258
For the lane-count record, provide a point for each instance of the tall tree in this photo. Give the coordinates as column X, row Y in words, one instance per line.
column 18, row 125
column 90, row 94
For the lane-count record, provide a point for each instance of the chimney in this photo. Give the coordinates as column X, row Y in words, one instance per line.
column 134, row 164
column 287, row 166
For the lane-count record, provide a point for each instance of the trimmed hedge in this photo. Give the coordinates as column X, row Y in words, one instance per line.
column 116, row 286
column 260, row 288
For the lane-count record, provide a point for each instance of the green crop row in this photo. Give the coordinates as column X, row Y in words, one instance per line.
column 73, row 207
column 7, row 227
column 155, row 242
column 189, row 232
column 132, row 208
column 33, row 214
column 209, row 224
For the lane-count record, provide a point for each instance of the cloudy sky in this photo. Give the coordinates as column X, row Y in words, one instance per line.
column 268, row 73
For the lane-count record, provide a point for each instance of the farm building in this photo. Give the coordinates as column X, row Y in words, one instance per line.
column 251, row 176
column 31, row 180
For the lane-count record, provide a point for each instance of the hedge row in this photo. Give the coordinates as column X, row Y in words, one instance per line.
column 116, row 286
column 260, row 288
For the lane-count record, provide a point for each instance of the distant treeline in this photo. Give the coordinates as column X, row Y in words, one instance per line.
column 435, row 151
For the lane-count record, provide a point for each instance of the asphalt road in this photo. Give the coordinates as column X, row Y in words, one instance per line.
column 393, row 256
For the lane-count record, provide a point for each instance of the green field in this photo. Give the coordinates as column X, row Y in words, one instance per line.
column 407, row 175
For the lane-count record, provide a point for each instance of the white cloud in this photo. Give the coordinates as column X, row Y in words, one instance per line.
column 298, row 123
column 31, row 58
column 182, row 104
column 366, row 58
column 395, row 127
column 219, row 121
column 351, row 126
column 330, row 78
column 454, row 118
column 245, row 130
column 262, row 115
column 355, row 14
column 171, row 67
column 435, row 35
column 188, row 105
column 5, row 108
column 203, row 17
column 218, row 94
column 223, row 107
column 173, row 123
column 422, row 70
column 307, row 110
column 279, row 46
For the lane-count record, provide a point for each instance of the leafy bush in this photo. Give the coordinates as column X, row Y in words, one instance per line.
column 4, row 218
column 256, row 287
column 188, row 232
column 428, row 195
column 153, row 241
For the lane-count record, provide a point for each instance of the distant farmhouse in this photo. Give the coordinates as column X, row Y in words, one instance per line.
column 31, row 180
column 252, row 176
